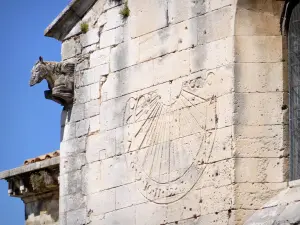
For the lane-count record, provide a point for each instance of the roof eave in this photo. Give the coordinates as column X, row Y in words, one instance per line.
column 68, row 18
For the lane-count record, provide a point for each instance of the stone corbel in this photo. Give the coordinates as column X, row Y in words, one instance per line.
column 60, row 79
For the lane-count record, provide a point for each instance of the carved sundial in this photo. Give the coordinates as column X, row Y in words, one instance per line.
column 172, row 140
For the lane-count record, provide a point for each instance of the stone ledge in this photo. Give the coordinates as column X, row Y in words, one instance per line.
column 29, row 168
column 294, row 183
column 68, row 18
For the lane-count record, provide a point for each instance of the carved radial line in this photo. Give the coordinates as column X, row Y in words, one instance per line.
column 141, row 127
column 194, row 116
column 145, row 111
column 161, row 156
column 192, row 103
column 195, row 95
column 153, row 135
column 155, row 146
column 145, row 135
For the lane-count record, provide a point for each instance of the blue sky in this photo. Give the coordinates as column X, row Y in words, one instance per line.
column 30, row 124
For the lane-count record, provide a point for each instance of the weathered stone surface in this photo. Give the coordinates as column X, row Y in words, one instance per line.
column 260, row 170
column 266, row 110
column 216, row 25
column 124, row 55
column 258, row 49
column 102, row 202
column 69, row 49
column 212, row 55
column 89, row 38
column 114, row 19
column 260, row 77
column 111, row 37
column 147, row 16
column 251, row 22
column 100, row 57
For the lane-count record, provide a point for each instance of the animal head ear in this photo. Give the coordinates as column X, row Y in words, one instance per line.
column 41, row 59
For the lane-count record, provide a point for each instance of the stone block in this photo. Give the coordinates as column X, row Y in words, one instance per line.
column 260, row 77
column 225, row 110
column 261, row 141
column 72, row 147
column 82, row 127
column 252, row 22
column 101, row 202
column 82, row 95
column 83, row 65
column 209, row 219
column 89, row 38
column 89, row 49
column 265, row 110
column 116, row 172
column 180, row 10
column 214, row 200
column 124, row 55
column 76, row 217
column 158, row 43
column 212, row 55
column 175, row 37
column 217, row 174
column 258, row 49
column 260, row 170
column 216, row 82
column 92, row 108
column 114, row 18
column 72, row 202
column 112, row 112
column 70, row 183
column 187, row 207
column 101, row 142
column 147, row 16
column 129, row 80
column 95, row 91
column 151, row 214
column 111, row 37
column 100, row 57
column 72, row 163
column 69, row 49
column 94, row 124
column 77, row 113
column 91, row 178
column 255, row 195
column 218, row 4
column 68, row 132
column 128, row 195
column 171, row 66
column 120, row 217
column 216, row 25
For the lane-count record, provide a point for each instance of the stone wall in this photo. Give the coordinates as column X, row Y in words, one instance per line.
column 177, row 116
column 261, row 106
column 42, row 209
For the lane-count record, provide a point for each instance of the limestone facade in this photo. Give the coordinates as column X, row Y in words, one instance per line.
column 179, row 113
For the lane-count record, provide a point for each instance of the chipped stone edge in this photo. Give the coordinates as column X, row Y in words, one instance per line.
column 294, row 183
column 68, row 18
column 28, row 168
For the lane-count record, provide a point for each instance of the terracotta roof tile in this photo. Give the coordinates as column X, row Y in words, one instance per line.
column 42, row 157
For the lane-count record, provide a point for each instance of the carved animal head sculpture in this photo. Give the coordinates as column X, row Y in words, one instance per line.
column 38, row 72
column 60, row 79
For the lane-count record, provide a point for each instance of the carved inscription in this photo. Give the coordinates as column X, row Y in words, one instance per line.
column 173, row 141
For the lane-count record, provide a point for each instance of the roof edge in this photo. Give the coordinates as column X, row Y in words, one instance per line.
column 29, row 168
column 68, row 18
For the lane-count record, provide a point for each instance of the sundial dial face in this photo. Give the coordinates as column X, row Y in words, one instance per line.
column 172, row 141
